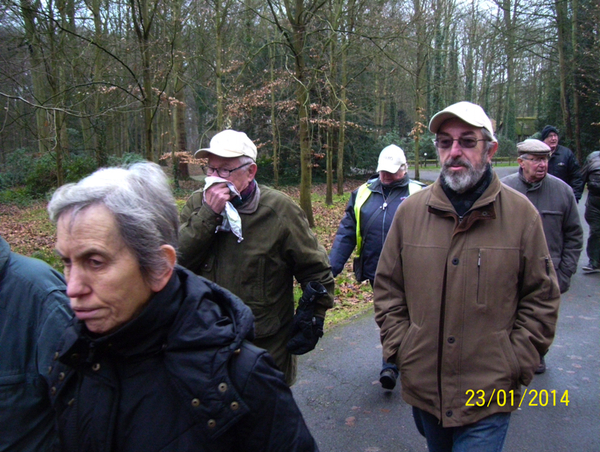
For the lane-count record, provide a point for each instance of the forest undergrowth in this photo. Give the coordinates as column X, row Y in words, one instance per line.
column 29, row 232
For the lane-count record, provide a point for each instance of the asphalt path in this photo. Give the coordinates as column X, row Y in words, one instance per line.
column 347, row 410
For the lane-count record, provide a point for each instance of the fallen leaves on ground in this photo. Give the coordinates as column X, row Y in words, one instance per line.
column 29, row 231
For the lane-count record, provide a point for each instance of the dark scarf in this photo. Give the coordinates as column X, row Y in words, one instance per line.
column 250, row 197
column 462, row 202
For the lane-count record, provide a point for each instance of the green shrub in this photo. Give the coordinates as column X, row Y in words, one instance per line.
column 17, row 168
column 42, row 176
column 15, row 195
column 79, row 166
column 506, row 147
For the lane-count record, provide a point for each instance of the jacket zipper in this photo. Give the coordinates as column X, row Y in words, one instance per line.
column 478, row 274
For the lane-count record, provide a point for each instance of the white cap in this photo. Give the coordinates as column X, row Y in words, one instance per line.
column 466, row 111
column 229, row 144
column 391, row 159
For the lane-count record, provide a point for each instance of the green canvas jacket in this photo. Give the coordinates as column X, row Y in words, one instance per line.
column 278, row 246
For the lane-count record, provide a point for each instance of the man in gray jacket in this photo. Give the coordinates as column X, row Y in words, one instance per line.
column 555, row 202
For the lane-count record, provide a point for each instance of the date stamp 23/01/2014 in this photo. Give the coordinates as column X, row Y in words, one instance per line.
column 536, row 397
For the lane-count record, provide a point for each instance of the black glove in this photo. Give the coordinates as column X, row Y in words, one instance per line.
column 306, row 328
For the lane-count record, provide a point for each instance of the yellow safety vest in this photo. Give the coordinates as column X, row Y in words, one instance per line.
column 362, row 195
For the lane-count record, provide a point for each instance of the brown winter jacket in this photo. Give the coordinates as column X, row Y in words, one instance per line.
column 465, row 305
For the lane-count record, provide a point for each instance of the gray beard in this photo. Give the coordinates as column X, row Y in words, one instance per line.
column 460, row 183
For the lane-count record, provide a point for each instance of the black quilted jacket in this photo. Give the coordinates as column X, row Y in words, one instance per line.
column 179, row 377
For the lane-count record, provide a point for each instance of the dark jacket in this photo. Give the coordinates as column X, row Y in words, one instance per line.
column 34, row 312
column 376, row 216
column 179, row 377
column 556, row 204
column 465, row 304
column 563, row 165
column 591, row 176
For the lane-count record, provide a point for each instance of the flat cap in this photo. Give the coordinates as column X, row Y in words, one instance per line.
column 533, row 146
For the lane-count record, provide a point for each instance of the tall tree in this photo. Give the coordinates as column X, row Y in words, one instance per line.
column 143, row 13
column 299, row 14
column 563, row 29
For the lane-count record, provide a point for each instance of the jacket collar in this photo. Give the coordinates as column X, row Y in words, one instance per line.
column 375, row 184
column 251, row 200
column 531, row 186
column 483, row 209
column 143, row 335
column 209, row 315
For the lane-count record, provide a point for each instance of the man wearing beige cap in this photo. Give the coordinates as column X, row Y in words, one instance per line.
column 555, row 202
column 465, row 291
column 367, row 220
column 254, row 241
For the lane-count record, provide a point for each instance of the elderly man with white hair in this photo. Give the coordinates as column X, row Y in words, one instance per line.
column 254, row 241
column 555, row 201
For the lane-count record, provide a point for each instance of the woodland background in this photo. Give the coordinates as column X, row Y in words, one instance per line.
column 319, row 85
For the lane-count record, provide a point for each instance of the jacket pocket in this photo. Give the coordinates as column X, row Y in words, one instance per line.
column 266, row 315
column 511, row 357
column 406, row 346
column 494, row 275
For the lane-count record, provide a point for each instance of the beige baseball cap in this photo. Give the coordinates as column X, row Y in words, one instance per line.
column 468, row 112
column 229, row 144
column 391, row 159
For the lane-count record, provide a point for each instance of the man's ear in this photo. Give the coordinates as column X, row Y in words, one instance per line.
column 252, row 168
column 160, row 281
column 493, row 150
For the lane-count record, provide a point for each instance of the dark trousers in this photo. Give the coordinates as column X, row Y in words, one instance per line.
column 592, row 217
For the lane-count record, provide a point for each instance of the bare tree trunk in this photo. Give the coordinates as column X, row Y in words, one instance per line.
column 142, row 19
column 329, row 164
column 219, row 20
column 299, row 17
column 177, row 87
column 342, row 129
column 576, row 78
column 563, row 62
column 274, row 129
column 29, row 13
column 420, row 82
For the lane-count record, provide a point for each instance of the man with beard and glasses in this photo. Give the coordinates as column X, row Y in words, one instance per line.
column 465, row 291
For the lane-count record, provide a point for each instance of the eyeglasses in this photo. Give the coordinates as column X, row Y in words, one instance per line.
column 222, row 172
column 537, row 160
column 464, row 142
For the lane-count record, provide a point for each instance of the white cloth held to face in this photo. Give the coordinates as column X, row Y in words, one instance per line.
column 231, row 218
